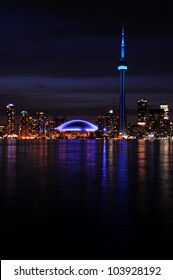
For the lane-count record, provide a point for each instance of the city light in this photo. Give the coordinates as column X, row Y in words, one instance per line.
column 122, row 67
column 77, row 125
column 151, row 123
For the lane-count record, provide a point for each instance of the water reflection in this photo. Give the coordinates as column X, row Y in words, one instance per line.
column 122, row 165
column 104, row 164
column 141, row 152
column 164, row 162
column 43, row 154
column 11, row 163
column 106, row 192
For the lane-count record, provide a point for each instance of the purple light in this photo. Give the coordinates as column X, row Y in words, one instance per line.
column 77, row 125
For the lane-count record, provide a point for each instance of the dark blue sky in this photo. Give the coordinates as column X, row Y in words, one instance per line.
column 62, row 58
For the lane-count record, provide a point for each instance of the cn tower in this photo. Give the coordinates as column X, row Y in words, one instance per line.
column 122, row 67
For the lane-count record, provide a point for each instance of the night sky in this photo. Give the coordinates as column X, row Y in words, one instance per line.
column 61, row 58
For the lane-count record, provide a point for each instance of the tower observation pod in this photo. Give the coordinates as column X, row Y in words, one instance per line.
column 122, row 67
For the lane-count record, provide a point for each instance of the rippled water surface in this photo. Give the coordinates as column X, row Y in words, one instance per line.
column 76, row 198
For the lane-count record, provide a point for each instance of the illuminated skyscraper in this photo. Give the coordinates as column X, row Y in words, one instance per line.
column 32, row 126
column 10, row 110
column 122, row 67
column 101, row 123
column 155, row 119
column 165, row 107
column 142, row 111
column 40, row 122
column 23, row 126
column 110, row 121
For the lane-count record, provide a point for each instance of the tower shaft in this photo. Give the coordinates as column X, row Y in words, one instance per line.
column 123, row 118
column 122, row 67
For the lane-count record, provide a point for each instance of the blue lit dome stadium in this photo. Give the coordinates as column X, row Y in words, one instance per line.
column 77, row 125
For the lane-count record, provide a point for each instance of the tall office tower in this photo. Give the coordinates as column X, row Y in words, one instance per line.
column 46, row 127
column 40, row 122
column 32, row 126
column 165, row 107
column 142, row 111
column 101, row 123
column 23, row 126
column 122, row 67
column 155, row 120
column 109, row 121
column 51, row 128
column 10, row 110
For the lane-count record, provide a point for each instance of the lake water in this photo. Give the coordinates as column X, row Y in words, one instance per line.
column 67, row 199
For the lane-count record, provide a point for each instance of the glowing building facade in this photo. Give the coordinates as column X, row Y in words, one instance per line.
column 142, row 111
column 155, row 120
column 165, row 107
column 122, row 67
column 32, row 126
column 40, row 122
column 112, row 121
column 23, row 126
column 101, row 123
column 10, row 110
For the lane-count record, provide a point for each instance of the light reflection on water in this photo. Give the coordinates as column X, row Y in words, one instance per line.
column 110, row 193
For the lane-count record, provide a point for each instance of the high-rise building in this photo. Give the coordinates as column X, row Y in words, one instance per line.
column 23, row 126
column 110, row 121
column 101, row 123
column 165, row 107
column 10, row 110
column 40, row 122
column 32, row 126
column 2, row 131
column 155, row 120
column 122, row 67
column 142, row 111
column 158, row 124
column 51, row 128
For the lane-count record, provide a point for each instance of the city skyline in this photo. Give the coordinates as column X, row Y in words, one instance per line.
column 65, row 63
column 160, row 105
column 73, row 185
column 152, row 123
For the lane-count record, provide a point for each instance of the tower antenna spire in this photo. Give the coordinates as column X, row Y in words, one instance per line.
column 122, row 42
